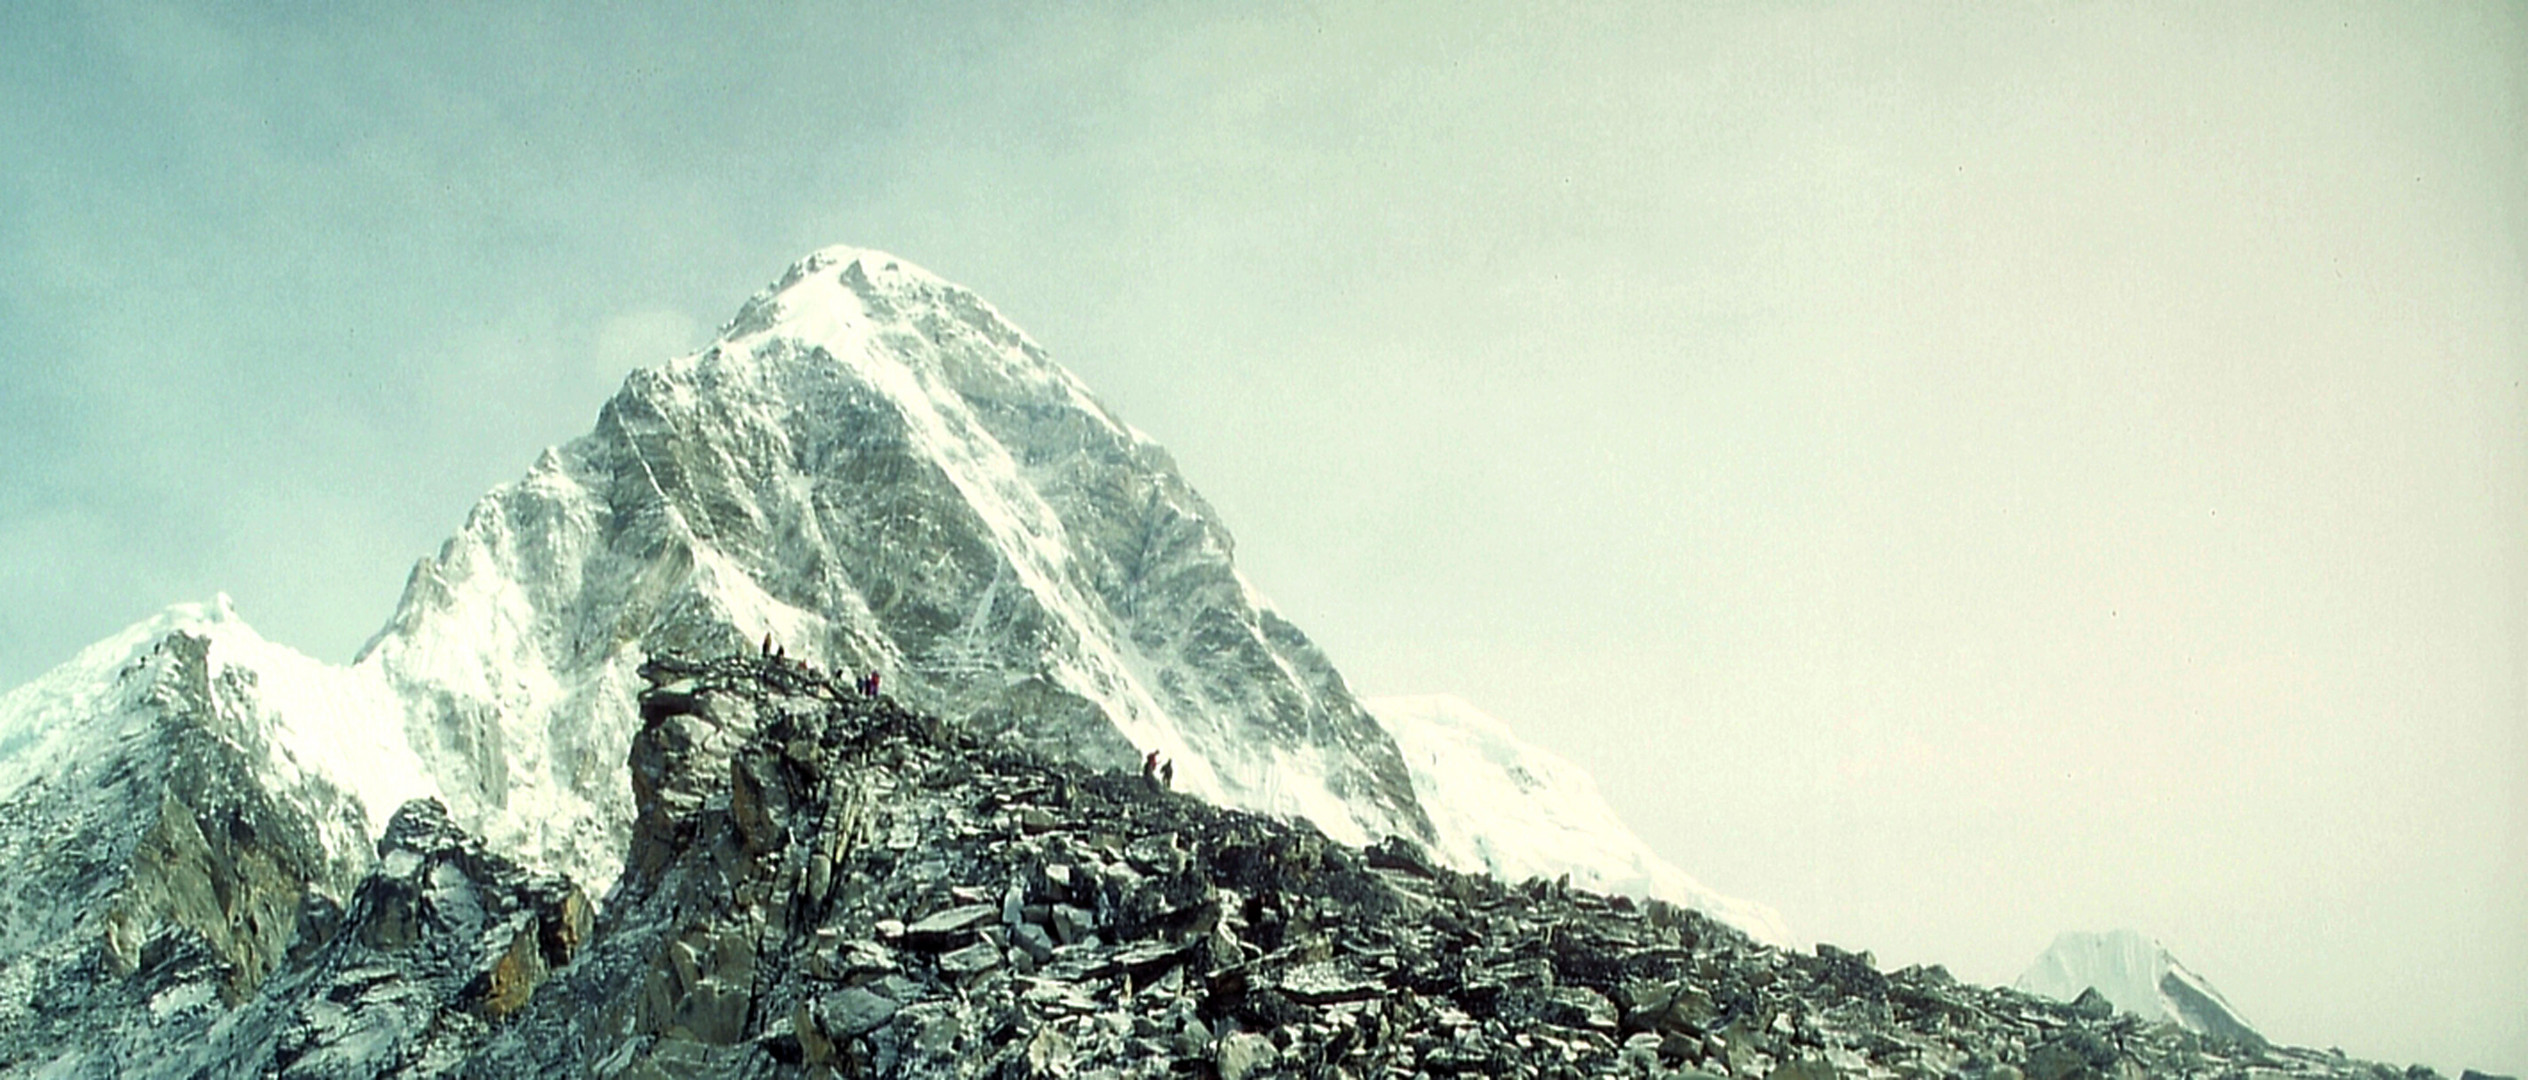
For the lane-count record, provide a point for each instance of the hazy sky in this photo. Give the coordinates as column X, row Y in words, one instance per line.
column 1955, row 474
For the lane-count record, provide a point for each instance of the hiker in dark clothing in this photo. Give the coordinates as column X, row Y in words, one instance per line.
column 873, row 684
column 767, row 649
column 1167, row 775
column 1150, row 769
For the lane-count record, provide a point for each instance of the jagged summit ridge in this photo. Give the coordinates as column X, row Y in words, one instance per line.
column 311, row 722
column 876, row 470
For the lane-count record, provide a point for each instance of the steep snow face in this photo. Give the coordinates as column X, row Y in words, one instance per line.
column 875, row 470
column 2139, row 976
column 1501, row 806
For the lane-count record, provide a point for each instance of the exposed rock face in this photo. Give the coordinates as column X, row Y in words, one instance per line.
column 872, row 892
column 443, row 942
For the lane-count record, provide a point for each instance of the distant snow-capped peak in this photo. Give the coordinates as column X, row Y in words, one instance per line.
column 2136, row 974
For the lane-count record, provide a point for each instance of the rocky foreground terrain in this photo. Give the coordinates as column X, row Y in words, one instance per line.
column 827, row 884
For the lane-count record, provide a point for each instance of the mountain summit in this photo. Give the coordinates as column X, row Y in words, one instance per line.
column 874, row 471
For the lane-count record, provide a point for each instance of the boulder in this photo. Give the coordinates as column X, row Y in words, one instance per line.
column 1243, row 1055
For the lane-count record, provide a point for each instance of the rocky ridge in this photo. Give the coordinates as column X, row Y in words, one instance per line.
column 821, row 883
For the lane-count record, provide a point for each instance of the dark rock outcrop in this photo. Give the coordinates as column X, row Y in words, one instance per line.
column 443, row 942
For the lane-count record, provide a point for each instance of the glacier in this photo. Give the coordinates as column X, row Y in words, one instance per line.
column 870, row 469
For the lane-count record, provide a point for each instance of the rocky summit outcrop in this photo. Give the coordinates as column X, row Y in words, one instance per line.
column 823, row 883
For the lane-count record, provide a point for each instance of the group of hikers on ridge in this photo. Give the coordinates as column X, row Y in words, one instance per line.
column 1159, row 774
column 867, row 684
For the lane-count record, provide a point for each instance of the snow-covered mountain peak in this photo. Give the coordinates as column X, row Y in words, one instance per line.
column 875, row 266
column 897, row 328
column 2136, row 974
column 174, row 801
column 838, row 296
column 873, row 470
column 48, row 719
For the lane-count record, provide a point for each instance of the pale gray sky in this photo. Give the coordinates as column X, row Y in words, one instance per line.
column 1954, row 473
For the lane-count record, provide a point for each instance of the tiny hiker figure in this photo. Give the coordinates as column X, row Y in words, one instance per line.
column 1150, row 769
column 1167, row 775
column 767, row 651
